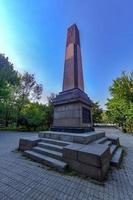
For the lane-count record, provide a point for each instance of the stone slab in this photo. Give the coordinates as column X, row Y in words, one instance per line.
column 117, row 157
column 94, row 154
column 82, row 138
column 52, row 162
column 114, row 139
column 89, row 170
column 70, row 152
column 28, row 142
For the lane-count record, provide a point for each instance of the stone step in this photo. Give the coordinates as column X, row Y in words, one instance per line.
column 52, row 147
column 113, row 148
column 83, row 138
column 107, row 142
column 117, row 157
column 47, row 152
column 114, row 139
column 52, row 162
column 56, row 142
column 101, row 140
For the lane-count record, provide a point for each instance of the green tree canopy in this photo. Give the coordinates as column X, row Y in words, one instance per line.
column 16, row 91
column 33, row 115
column 120, row 105
column 97, row 113
column 7, row 72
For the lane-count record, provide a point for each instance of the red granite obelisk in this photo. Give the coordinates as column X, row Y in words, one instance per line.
column 72, row 107
column 73, row 73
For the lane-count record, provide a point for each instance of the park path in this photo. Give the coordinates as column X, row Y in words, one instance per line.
column 22, row 179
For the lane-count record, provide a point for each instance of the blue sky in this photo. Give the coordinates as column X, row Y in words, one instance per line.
column 33, row 36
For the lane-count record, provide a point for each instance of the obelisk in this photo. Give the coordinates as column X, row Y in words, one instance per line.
column 73, row 73
column 72, row 107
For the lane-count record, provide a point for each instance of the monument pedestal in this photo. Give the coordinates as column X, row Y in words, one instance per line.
column 72, row 112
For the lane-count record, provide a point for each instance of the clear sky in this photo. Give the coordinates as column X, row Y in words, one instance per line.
column 33, row 36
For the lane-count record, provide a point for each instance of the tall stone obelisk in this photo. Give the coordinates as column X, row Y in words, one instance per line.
column 73, row 73
column 72, row 107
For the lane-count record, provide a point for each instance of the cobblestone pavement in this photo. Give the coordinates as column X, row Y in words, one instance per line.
column 22, row 179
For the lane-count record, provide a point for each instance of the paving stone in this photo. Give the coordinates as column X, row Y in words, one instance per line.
column 50, row 185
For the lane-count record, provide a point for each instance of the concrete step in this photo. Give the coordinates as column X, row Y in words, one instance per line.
column 117, row 157
column 52, row 162
column 56, row 142
column 113, row 148
column 47, row 152
column 107, row 142
column 101, row 140
column 52, row 147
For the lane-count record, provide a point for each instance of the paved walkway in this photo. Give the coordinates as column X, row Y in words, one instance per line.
column 22, row 179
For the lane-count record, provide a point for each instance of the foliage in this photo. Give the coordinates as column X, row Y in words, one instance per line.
column 27, row 90
column 49, row 110
column 105, row 118
column 51, row 98
column 8, row 79
column 16, row 91
column 120, row 106
column 19, row 94
column 33, row 115
column 96, row 113
column 7, row 72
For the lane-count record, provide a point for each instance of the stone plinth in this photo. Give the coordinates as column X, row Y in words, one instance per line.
column 89, row 160
column 72, row 112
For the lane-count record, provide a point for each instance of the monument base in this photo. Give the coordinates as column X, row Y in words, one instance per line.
column 90, row 154
column 72, row 129
column 72, row 112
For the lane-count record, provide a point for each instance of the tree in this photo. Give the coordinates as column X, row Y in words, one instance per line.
column 49, row 110
column 27, row 90
column 7, row 72
column 33, row 115
column 51, row 98
column 8, row 79
column 120, row 105
column 105, row 118
column 96, row 113
column 16, row 90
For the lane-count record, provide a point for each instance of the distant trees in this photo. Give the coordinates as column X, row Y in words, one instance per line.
column 7, row 73
column 8, row 80
column 16, row 92
column 97, row 113
column 50, row 110
column 19, row 95
column 32, row 116
column 35, row 115
column 120, row 105
column 27, row 90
